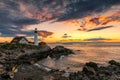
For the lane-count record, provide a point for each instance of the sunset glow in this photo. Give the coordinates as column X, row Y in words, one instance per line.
column 79, row 26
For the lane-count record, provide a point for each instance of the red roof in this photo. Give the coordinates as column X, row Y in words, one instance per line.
column 17, row 39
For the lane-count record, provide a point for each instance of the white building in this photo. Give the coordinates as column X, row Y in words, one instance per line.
column 23, row 40
column 20, row 39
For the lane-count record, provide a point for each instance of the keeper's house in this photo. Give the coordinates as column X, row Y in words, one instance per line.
column 20, row 39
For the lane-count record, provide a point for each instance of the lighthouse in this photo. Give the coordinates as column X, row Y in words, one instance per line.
column 35, row 37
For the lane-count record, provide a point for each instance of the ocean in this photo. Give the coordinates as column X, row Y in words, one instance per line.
column 100, row 53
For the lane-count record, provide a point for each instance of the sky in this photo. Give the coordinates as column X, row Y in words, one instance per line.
column 61, row 20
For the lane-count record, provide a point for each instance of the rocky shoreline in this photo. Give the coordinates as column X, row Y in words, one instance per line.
column 21, row 53
column 15, row 55
column 91, row 71
column 17, row 63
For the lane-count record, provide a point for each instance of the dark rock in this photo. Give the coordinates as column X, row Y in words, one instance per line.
column 92, row 72
column 107, row 73
column 112, row 62
column 0, row 54
column 5, row 76
column 92, row 64
column 90, row 68
column 27, row 78
column 58, row 51
column 88, row 71
column 23, row 51
column 59, row 48
column 42, row 43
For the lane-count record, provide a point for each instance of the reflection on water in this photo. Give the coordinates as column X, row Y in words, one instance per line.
column 99, row 54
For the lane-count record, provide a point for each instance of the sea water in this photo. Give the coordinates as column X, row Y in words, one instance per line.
column 100, row 53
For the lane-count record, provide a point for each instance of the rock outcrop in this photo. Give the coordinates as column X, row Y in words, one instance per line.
column 58, row 51
column 12, row 55
column 91, row 71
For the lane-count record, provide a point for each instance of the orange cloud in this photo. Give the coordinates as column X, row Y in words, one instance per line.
column 45, row 33
column 90, row 22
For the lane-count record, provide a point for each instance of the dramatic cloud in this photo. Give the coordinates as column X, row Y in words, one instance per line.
column 96, row 39
column 43, row 10
column 12, row 19
column 45, row 34
column 100, row 28
column 112, row 18
column 14, row 14
column 66, row 36
column 81, row 8
column 64, row 9
column 93, row 22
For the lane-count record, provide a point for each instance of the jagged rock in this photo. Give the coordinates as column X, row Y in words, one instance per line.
column 92, row 64
column 5, row 76
column 58, row 51
column 92, row 72
column 90, row 68
column 59, row 48
column 112, row 62
column 42, row 43
column 27, row 55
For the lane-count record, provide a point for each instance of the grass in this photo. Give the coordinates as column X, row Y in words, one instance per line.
column 9, row 46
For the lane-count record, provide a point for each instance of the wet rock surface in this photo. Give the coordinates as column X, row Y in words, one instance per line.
column 60, row 50
column 17, row 63
column 15, row 55
column 92, row 72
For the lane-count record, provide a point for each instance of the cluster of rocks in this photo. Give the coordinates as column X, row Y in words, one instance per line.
column 58, row 51
column 34, row 73
column 21, row 54
column 91, row 71
column 14, row 67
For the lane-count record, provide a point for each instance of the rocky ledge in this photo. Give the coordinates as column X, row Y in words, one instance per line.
column 60, row 50
column 16, row 64
column 21, row 53
column 14, row 55
column 91, row 71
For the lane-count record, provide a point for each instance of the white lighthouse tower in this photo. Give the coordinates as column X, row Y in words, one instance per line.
column 35, row 37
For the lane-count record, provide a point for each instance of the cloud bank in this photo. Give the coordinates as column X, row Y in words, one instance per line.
column 96, row 39
column 14, row 14
column 99, row 28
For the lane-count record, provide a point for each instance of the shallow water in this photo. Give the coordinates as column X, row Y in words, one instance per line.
column 99, row 53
